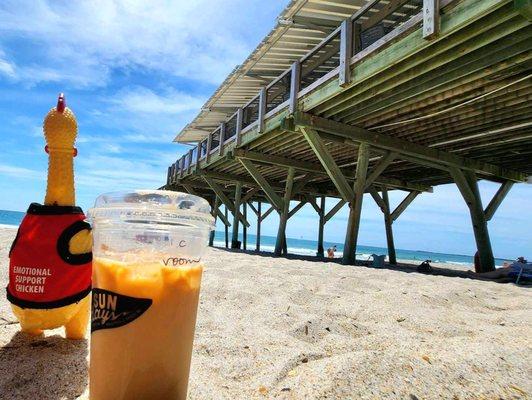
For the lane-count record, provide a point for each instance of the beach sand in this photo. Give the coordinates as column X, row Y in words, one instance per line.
column 296, row 329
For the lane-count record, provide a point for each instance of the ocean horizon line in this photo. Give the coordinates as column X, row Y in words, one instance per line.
column 307, row 247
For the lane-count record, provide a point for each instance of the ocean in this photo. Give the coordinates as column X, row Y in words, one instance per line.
column 308, row 247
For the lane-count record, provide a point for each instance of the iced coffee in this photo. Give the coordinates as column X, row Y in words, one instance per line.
column 146, row 280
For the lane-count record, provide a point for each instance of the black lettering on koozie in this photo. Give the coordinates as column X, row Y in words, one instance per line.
column 111, row 310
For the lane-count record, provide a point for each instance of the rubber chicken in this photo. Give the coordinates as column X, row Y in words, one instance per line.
column 51, row 259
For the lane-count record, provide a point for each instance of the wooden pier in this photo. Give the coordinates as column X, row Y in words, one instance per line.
column 344, row 98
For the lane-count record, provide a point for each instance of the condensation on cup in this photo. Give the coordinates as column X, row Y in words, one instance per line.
column 147, row 266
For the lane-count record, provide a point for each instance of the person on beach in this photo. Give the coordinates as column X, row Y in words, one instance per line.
column 330, row 251
column 520, row 268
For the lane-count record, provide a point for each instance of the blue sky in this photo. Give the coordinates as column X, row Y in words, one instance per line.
column 135, row 72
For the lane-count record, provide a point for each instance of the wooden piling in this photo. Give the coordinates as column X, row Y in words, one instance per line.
column 215, row 214
column 283, row 214
column 226, row 229
column 353, row 223
column 244, row 227
column 468, row 186
column 238, row 194
column 259, row 220
column 321, row 226
column 388, row 226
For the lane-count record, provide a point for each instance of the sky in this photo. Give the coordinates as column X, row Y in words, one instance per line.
column 136, row 72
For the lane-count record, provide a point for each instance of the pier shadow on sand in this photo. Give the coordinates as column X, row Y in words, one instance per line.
column 401, row 267
column 44, row 368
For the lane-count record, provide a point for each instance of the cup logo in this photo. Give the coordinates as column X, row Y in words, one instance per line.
column 112, row 310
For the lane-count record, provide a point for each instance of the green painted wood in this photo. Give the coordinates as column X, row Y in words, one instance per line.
column 403, row 205
column 224, row 199
column 328, row 163
column 524, row 7
column 249, row 194
column 267, row 212
column 215, row 211
column 421, row 79
column 480, row 226
column 321, row 213
column 497, row 200
column 332, row 212
column 353, row 222
column 301, row 183
column 259, row 220
column 298, row 207
column 317, row 169
column 313, row 203
column 389, row 58
column 253, row 208
column 392, row 258
column 226, row 228
column 244, row 228
column 400, row 146
column 468, row 186
column 238, row 194
column 462, row 184
column 378, row 199
column 263, row 183
column 280, row 243
column 380, row 167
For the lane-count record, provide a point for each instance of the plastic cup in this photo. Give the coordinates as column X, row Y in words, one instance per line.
column 147, row 271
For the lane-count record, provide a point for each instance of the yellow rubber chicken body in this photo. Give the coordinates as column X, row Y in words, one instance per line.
column 60, row 131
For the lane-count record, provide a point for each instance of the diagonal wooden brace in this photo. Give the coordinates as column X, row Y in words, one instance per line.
column 328, row 163
column 274, row 198
column 403, row 205
column 216, row 210
column 224, row 199
column 334, row 210
column 296, row 208
column 497, row 200
column 380, row 167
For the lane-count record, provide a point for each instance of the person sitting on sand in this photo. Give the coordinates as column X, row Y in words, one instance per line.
column 330, row 251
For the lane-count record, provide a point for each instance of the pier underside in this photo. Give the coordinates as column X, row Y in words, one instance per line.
column 410, row 111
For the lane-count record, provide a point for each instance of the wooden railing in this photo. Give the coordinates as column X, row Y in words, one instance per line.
column 334, row 52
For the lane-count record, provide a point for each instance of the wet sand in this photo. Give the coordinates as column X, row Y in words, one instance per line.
column 299, row 329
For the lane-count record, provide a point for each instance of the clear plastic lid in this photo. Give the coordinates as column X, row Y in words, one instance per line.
column 152, row 207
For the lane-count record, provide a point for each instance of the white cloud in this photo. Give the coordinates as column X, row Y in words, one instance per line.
column 83, row 41
column 20, row 172
column 144, row 100
column 7, row 68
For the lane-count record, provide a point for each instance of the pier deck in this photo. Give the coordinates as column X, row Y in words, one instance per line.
column 392, row 95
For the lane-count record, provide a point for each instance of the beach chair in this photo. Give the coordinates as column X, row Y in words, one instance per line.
column 522, row 272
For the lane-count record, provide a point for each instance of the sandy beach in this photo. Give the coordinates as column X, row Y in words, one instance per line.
column 296, row 329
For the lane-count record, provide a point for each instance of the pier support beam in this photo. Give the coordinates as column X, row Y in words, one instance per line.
column 468, row 186
column 321, row 227
column 257, row 244
column 355, row 205
column 384, row 204
column 390, row 216
column 238, row 194
column 215, row 211
column 245, row 228
column 388, row 226
column 224, row 199
column 497, row 200
column 280, row 243
column 226, row 229
column 324, row 218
